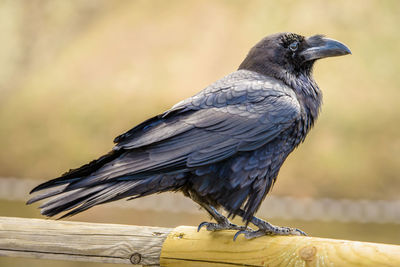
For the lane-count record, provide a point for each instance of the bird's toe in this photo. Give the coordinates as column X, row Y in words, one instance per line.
column 201, row 225
column 299, row 232
column 249, row 234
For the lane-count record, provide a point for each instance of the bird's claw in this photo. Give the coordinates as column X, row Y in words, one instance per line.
column 238, row 233
column 250, row 234
column 201, row 226
column 220, row 226
column 299, row 232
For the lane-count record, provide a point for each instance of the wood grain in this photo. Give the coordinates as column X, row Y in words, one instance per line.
column 182, row 246
column 185, row 247
column 76, row 241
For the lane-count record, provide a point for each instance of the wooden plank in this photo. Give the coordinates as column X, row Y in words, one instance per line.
column 182, row 246
column 76, row 241
column 185, row 247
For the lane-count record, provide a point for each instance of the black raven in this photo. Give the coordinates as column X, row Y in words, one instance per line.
column 222, row 147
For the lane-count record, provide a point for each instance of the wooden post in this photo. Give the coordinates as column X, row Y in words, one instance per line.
column 182, row 246
column 77, row 241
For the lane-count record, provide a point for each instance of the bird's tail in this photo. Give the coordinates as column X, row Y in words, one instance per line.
column 71, row 194
column 77, row 174
column 82, row 199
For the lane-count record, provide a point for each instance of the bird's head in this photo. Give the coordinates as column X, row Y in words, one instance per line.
column 281, row 54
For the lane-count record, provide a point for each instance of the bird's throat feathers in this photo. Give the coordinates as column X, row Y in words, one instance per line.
column 309, row 95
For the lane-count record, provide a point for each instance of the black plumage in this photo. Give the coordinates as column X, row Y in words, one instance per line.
column 222, row 147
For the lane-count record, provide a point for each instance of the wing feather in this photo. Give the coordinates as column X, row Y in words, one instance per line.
column 238, row 115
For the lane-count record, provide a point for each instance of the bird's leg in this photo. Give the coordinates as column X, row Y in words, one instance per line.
column 265, row 228
column 222, row 222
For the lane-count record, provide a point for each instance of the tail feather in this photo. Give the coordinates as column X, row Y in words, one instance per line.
column 111, row 193
column 64, row 198
column 75, row 175
column 69, row 200
column 81, row 199
column 51, row 193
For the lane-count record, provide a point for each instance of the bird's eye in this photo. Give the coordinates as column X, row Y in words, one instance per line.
column 293, row 46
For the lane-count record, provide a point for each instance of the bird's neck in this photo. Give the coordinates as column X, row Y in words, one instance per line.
column 308, row 94
column 303, row 84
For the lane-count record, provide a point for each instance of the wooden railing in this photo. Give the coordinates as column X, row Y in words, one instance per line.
column 181, row 246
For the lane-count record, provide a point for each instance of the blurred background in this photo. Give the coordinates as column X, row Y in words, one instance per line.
column 75, row 74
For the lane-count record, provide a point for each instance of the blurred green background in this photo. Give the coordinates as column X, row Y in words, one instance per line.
column 75, row 74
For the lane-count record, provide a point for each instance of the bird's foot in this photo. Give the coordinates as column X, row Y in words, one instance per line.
column 223, row 225
column 266, row 228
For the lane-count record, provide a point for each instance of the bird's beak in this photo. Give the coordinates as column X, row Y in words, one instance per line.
column 321, row 47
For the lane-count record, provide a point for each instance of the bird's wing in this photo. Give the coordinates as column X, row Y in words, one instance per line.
column 204, row 129
column 237, row 113
column 267, row 101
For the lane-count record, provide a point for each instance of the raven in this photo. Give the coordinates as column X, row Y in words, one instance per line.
column 222, row 147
